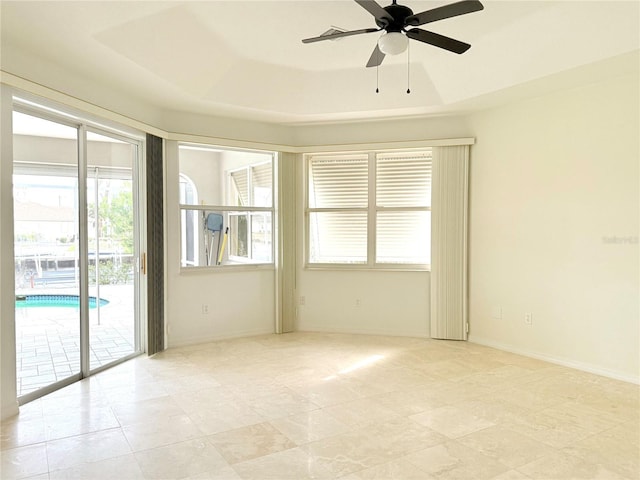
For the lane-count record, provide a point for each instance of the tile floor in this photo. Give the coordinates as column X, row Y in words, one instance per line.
column 326, row 406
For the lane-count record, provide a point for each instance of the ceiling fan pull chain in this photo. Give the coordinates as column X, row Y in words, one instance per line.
column 377, row 78
column 408, row 68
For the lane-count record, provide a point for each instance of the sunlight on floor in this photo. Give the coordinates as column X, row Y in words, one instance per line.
column 357, row 366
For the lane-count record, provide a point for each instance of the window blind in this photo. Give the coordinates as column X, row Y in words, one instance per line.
column 370, row 208
column 261, row 185
column 449, row 243
column 261, row 175
column 403, row 237
column 338, row 182
column 403, row 181
column 241, row 183
column 338, row 237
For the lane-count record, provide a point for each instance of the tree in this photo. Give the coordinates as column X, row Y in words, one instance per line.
column 116, row 218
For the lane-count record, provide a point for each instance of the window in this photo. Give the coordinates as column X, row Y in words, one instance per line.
column 369, row 209
column 251, row 185
column 233, row 219
column 188, row 218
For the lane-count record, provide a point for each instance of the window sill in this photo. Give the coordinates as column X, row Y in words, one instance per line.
column 250, row 267
column 366, row 268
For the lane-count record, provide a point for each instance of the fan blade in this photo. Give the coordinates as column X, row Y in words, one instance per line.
column 446, row 11
column 376, row 10
column 438, row 40
column 376, row 57
column 339, row 35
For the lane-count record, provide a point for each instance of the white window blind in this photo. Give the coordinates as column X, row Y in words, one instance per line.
column 403, row 180
column 449, row 270
column 262, row 185
column 371, row 209
column 403, row 237
column 240, row 179
column 261, row 175
column 339, row 182
column 338, row 190
column 338, row 237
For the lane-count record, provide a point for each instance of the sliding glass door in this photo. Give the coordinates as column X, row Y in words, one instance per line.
column 76, row 251
column 112, row 221
column 46, row 226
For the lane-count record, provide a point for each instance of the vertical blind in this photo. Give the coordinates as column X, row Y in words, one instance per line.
column 449, row 243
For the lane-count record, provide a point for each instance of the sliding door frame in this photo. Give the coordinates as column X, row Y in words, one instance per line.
column 41, row 108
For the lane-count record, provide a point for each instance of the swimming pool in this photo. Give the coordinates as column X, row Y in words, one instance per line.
column 73, row 301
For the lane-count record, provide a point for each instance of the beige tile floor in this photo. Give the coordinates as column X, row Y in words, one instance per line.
column 325, row 406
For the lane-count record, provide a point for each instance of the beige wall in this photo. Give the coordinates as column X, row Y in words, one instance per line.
column 552, row 180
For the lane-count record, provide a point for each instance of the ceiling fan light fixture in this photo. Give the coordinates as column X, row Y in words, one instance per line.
column 393, row 43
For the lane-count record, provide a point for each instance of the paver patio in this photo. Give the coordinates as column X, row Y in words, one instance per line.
column 48, row 338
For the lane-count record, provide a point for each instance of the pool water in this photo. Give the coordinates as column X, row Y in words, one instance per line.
column 73, row 301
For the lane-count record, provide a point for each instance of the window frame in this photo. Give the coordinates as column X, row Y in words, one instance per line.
column 188, row 183
column 372, row 209
column 228, row 210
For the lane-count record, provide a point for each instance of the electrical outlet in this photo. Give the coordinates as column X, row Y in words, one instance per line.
column 358, row 302
column 205, row 309
column 302, row 300
column 497, row 313
column 528, row 318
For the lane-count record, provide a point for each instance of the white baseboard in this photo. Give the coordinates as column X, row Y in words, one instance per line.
column 359, row 331
column 183, row 342
column 9, row 411
column 565, row 362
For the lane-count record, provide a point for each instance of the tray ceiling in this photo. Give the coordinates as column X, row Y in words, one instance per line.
column 246, row 59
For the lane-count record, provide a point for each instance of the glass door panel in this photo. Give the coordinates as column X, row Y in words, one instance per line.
column 46, row 253
column 111, row 199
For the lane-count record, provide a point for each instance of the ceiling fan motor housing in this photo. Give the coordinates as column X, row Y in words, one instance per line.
column 399, row 14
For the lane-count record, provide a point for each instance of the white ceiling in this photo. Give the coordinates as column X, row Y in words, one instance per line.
column 246, row 58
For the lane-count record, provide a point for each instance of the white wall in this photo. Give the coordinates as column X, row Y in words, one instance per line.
column 552, row 179
column 382, row 303
column 8, row 403
column 204, row 169
column 240, row 301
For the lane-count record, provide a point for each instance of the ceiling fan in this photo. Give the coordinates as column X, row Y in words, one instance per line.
column 396, row 21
